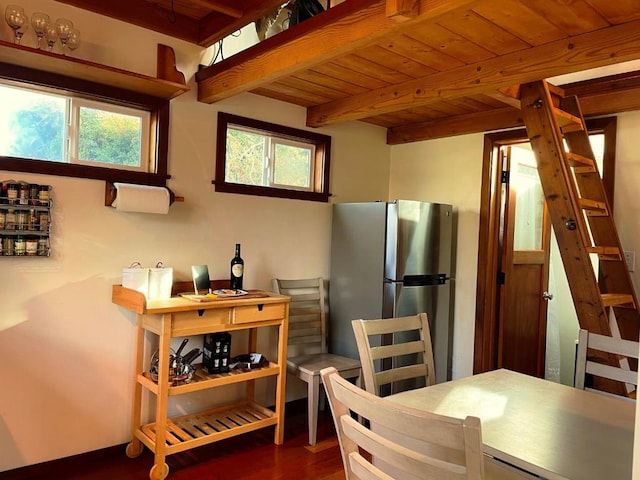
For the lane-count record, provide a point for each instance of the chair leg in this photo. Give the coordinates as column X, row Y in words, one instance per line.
column 313, row 394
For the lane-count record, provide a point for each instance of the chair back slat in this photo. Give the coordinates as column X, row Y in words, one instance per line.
column 405, row 363
column 586, row 364
column 399, row 441
column 307, row 314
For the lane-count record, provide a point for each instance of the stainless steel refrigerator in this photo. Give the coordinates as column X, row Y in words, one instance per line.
column 392, row 259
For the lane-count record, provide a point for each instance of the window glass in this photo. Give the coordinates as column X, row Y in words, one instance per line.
column 260, row 158
column 32, row 124
column 245, row 157
column 292, row 165
column 111, row 137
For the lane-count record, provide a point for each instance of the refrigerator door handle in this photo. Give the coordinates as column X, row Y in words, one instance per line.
column 421, row 280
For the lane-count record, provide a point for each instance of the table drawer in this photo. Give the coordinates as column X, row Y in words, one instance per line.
column 195, row 322
column 257, row 313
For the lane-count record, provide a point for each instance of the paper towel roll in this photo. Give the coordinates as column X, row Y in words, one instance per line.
column 141, row 198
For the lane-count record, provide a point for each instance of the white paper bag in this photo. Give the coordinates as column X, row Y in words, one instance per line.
column 160, row 283
column 136, row 278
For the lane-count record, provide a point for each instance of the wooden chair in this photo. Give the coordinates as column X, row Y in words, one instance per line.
column 402, row 364
column 584, row 366
column 307, row 341
column 405, row 443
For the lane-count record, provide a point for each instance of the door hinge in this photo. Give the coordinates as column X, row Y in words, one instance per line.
column 501, row 278
column 504, row 177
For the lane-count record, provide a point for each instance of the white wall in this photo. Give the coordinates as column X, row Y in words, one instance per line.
column 66, row 350
column 449, row 171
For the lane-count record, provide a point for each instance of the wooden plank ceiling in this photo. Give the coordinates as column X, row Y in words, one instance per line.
column 420, row 68
column 444, row 68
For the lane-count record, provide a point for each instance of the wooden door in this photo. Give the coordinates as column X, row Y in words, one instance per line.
column 525, row 239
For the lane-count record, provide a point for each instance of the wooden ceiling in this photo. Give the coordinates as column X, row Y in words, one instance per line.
column 420, row 68
column 202, row 22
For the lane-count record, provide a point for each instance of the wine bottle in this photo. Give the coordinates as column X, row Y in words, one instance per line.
column 237, row 269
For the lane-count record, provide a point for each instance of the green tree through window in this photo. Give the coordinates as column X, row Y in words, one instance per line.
column 108, row 137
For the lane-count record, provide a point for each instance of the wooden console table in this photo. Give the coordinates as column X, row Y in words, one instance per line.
column 179, row 317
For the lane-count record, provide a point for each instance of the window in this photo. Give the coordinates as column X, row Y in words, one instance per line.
column 58, row 128
column 58, row 125
column 260, row 158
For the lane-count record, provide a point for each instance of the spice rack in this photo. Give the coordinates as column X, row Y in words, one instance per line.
column 25, row 219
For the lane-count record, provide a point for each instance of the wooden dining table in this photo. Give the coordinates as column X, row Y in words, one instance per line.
column 545, row 428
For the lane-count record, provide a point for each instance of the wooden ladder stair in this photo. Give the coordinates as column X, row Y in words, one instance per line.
column 582, row 218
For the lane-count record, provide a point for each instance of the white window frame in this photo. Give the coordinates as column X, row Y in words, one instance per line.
column 74, row 133
column 270, row 143
column 273, row 143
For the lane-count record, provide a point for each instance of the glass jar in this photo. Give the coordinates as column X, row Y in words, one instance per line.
column 7, row 246
column 20, row 246
column 10, row 219
column 34, row 194
column 21, row 220
column 3, row 219
column 12, row 192
column 43, row 194
column 43, row 247
column 32, row 220
column 23, row 194
column 31, row 247
column 43, row 221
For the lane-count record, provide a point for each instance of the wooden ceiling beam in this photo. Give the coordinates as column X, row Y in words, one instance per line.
column 401, row 10
column 220, row 7
column 215, row 27
column 477, row 122
column 599, row 48
column 342, row 29
column 144, row 14
column 603, row 96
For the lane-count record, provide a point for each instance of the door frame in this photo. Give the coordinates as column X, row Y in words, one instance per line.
column 485, row 352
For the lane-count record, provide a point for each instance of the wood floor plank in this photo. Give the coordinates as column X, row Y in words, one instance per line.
column 252, row 456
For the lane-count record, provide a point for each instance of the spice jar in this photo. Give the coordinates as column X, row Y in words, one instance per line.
column 43, row 194
column 23, row 194
column 21, row 220
column 32, row 220
column 43, row 247
column 12, row 192
column 20, row 246
column 10, row 219
column 7, row 246
column 34, row 193
column 44, row 221
column 31, row 247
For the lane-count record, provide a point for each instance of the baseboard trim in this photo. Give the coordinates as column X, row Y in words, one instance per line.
column 75, row 462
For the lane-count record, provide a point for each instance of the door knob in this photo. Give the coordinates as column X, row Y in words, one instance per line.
column 547, row 296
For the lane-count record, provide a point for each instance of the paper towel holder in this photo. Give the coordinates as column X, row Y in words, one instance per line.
column 110, row 194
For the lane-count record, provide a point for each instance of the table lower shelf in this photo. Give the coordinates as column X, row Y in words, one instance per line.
column 194, row 430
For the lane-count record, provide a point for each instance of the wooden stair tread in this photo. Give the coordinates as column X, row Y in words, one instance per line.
column 566, row 121
column 606, row 253
column 580, row 162
column 594, row 207
column 615, row 299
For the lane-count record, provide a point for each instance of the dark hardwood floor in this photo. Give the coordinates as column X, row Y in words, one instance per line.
column 248, row 457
